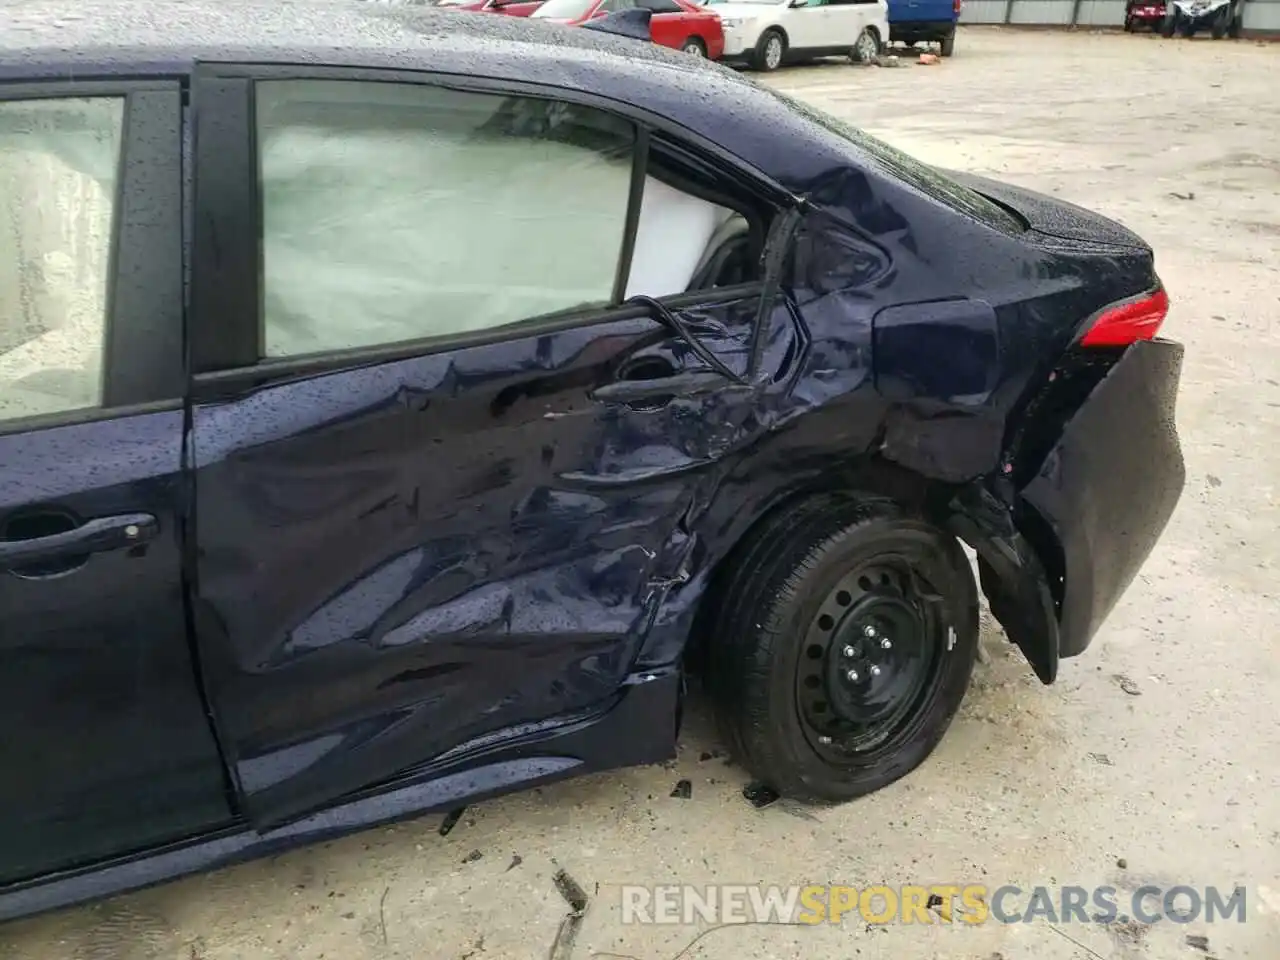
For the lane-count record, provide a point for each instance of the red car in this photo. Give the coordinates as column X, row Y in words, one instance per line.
column 675, row 23
column 512, row 8
column 1144, row 13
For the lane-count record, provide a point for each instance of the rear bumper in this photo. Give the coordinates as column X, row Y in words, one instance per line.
column 908, row 31
column 1055, row 556
column 1110, row 485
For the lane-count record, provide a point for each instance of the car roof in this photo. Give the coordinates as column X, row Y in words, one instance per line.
column 57, row 39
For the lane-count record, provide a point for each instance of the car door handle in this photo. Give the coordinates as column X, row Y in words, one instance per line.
column 92, row 536
column 688, row 384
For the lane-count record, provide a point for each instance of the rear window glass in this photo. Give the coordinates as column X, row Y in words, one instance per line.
column 928, row 180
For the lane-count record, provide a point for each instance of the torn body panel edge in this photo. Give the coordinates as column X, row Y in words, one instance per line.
column 1013, row 577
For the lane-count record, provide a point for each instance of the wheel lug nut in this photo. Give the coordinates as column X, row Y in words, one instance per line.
column 868, row 631
column 885, row 644
column 852, row 676
column 875, row 671
column 848, row 651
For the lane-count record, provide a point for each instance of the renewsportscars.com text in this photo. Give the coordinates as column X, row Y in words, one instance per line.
column 933, row 903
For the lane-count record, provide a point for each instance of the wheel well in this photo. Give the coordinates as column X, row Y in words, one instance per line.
column 915, row 493
column 779, row 31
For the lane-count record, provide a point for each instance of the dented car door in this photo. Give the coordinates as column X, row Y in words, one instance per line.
column 411, row 548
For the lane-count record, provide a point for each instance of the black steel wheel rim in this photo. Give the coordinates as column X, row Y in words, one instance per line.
column 872, row 657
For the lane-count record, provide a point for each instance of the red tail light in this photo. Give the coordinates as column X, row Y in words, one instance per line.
column 1125, row 323
column 955, row 6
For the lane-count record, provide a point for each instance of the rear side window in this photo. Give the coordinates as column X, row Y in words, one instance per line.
column 928, row 180
column 58, row 175
column 393, row 212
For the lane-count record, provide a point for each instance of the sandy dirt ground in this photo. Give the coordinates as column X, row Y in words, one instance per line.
column 1154, row 760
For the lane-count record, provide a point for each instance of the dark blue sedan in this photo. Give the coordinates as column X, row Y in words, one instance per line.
column 396, row 406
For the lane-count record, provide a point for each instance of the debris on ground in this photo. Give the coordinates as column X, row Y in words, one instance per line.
column 1101, row 758
column 472, row 857
column 887, row 61
column 797, row 810
column 1182, row 196
column 1128, row 932
column 929, row 59
column 1122, row 863
column 382, row 914
column 759, row 795
column 683, row 790
column 576, row 898
column 571, row 890
column 939, row 906
column 709, row 755
column 1128, row 686
column 516, row 860
column 451, row 820
column 1197, row 942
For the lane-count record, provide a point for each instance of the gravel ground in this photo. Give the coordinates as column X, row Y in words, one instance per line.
column 1155, row 759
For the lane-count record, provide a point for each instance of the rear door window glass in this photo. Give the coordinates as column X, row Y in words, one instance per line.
column 393, row 212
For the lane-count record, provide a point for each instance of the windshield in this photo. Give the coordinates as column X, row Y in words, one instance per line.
column 928, row 180
column 564, row 9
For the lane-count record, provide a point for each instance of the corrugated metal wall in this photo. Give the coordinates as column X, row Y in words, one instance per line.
column 1101, row 13
column 1041, row 11
column 983, row 11
column 1262, row 16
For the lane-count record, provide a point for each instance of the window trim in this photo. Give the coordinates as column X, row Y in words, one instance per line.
column 226, row 277
column 213, row 384
column 631, row 224
column 142, row 357
column 226, row 257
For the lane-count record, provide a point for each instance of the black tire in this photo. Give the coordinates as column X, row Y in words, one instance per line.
column 947, row 46
column 1169, row 25
column 1129, row 25
column 1187, row 27
column 800, row 565
column 694, row 47
column 761, row 59
column 1221, row 23
column 1237, row 24
column 866, row 49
